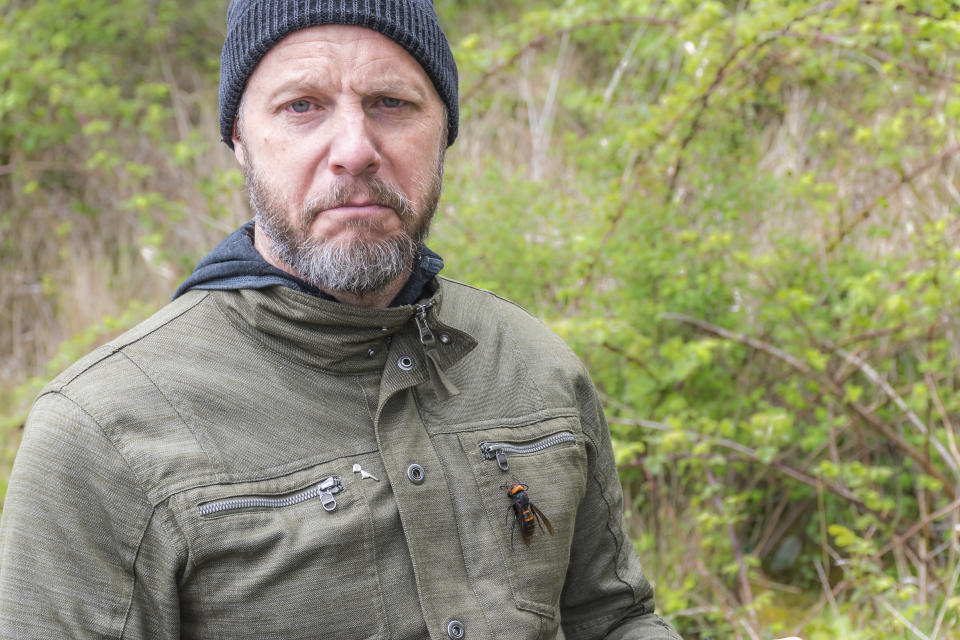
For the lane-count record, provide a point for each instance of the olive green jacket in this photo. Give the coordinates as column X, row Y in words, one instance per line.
column 197, row 478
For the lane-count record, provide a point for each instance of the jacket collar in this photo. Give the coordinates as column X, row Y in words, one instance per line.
column 340, row 338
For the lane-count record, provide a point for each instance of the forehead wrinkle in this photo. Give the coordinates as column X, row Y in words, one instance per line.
column 300, row 79
column 345, row 51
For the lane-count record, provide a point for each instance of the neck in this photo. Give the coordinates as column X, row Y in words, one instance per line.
column 378, row 299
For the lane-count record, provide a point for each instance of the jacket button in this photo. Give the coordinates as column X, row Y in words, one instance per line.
column 416, row 473
column 455, row 629
column 405, row 363
column 445, row 338
column 371, row 352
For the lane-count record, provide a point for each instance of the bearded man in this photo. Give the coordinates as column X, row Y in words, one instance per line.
column 320, row 437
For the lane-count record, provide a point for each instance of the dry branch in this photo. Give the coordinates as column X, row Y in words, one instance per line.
column 867, row 209
column 541, row 41
column 883, row 56
column 914, row 419
column 751, row 454
column 864, row 412
column 909, row 533
column 746, row 593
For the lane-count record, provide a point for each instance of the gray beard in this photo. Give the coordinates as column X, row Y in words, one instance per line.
column 357, row 266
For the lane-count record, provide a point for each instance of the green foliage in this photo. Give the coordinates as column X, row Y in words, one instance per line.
column 743, row 223
column 741, row 215
column 103, row 171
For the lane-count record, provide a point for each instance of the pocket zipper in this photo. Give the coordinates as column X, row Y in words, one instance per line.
column 499, row 450
column 323, row 490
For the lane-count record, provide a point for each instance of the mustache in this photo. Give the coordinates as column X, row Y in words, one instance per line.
column 370, row 189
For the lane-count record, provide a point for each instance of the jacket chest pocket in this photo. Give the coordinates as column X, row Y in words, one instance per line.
column 531, row 480
column 286, row 558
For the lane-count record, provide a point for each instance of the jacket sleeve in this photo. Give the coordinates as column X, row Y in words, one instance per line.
column 83, row 553
column 606, row 594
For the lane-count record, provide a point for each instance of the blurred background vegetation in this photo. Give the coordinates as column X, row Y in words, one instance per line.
column 742, row 215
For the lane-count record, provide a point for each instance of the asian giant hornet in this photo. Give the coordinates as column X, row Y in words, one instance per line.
column 524, row 512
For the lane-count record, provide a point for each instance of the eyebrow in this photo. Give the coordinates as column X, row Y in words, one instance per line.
column 393, row 86
column 305, row 82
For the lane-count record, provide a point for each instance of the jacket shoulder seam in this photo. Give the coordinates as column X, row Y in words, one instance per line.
column 166, row 399
column 521, row 358
column 492, row 294
column 103, row 432
column 119, row 347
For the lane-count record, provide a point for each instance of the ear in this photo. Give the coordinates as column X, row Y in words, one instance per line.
column 238, row 149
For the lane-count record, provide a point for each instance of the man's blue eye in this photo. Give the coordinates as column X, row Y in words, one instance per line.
column 392, row 103
column 300, row 106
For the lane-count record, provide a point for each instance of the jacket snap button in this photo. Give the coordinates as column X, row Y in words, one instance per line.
column 455, row 629
column 445, row 338
column 371, row 352
column 416, row 473
column 405, row 363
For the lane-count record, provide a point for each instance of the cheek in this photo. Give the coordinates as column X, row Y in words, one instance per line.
column 418, row 166
column 292, row 174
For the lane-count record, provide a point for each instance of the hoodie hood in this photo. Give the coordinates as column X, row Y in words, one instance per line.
column 236, row 264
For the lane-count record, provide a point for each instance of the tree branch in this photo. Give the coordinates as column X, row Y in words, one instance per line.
column 541, row 41
column 867, row 209
column 864, row 412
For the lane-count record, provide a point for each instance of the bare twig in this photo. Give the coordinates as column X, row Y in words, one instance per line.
column 871, row 335
column 771, row 527
column 912, row 417
column 704, row 102
column 906, row 623
column 751, row 454
column 746, row 593
column 726, row 600
column 820, row 37
column 812, row 613
column 864, row 412
column 631, row 359
column 541, row 41
column 622, row 66
column 541, row 124
column 826, row 587
column 909, row 533
column 867, row 209
column 722, row 72
column 946, row 599
column 944, row 415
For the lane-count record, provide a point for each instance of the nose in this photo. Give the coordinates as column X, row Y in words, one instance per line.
column 353, row 150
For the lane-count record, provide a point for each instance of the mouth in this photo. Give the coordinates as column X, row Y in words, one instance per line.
column 358, row 210
column 373, row 202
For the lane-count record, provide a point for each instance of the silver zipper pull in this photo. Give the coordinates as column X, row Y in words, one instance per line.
column 492, row 451
column 427, row 339
column 327, row 488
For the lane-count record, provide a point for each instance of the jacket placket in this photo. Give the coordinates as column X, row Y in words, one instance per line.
column 425, row 502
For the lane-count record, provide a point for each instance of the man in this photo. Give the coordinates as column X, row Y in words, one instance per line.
column 319, row 437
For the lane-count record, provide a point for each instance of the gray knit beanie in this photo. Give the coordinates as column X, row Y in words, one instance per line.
column 254, row 26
